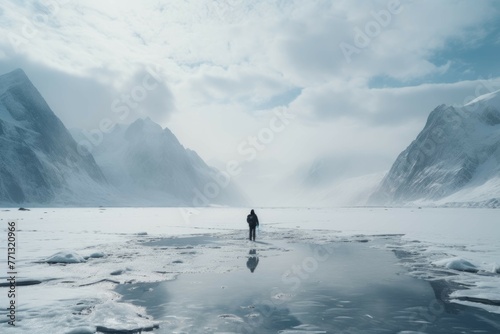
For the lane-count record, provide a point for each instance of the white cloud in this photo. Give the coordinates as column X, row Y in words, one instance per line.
column 224, row 62
column 384, row 106
column 298, row 40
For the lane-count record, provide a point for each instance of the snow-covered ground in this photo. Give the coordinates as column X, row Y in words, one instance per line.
column 80, row 255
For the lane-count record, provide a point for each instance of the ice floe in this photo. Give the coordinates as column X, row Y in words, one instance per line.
column 65, row 257
column 456, row 263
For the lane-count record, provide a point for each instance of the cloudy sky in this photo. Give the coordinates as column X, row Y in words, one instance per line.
column 310, row 89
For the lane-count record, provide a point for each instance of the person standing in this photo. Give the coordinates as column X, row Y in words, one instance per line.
column 253, row 222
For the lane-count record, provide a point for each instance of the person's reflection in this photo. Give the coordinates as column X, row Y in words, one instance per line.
column 253, row 260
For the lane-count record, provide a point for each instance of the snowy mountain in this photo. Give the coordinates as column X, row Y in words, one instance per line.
column 137, row 165
column 149, row 166
column 455, row 160
column 39, row 161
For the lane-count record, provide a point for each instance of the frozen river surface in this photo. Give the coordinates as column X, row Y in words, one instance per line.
column 310, row 271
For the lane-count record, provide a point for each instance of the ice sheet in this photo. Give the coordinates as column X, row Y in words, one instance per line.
column 128, row 245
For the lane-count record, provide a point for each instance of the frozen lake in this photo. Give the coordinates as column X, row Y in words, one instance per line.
column 310, row 271
column 347, row 288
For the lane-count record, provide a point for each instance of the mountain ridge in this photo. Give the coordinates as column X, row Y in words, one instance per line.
column 141, row 164
column 144, row 158
column 455, row 154
column 40, row 162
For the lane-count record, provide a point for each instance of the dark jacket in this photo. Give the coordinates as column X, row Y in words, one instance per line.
column 252, row 220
